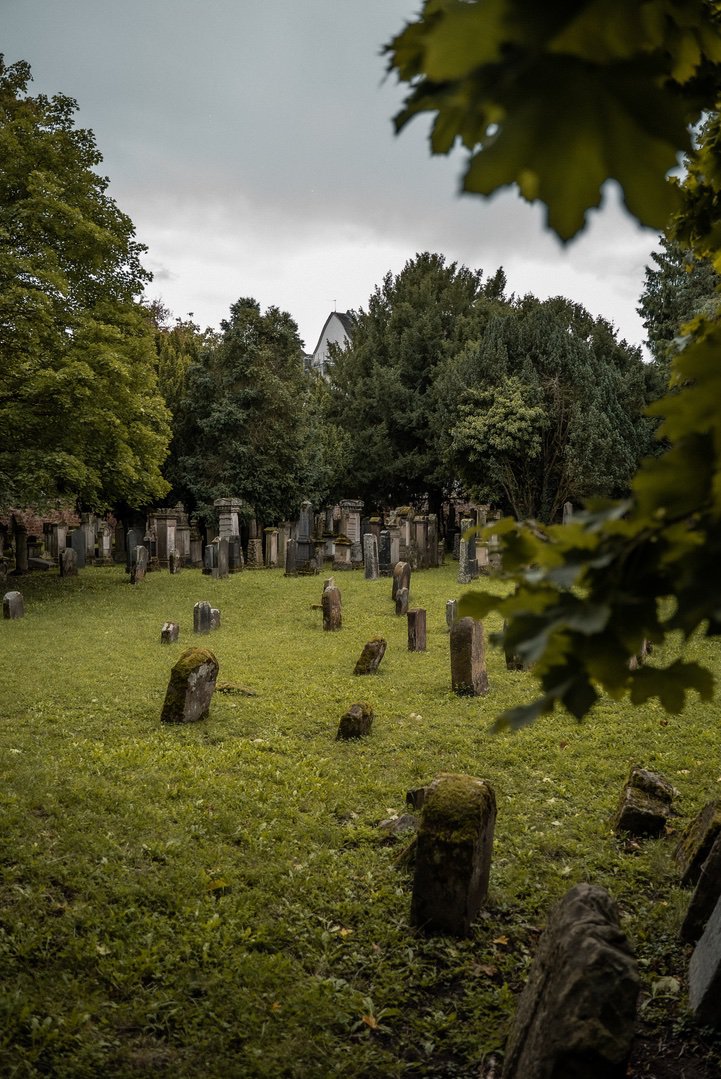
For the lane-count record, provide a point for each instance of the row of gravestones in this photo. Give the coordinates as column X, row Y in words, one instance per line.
column 576, row 1015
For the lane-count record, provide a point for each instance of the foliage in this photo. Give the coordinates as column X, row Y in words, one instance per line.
column 216, row 898
column 239, row 425
column 80, row 415
column 383, row 382
column 681, row 286
column 548, row 407
column 560, row 97
column 586, row 596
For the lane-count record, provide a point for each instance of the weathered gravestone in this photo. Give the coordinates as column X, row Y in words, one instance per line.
column 706, row 895
column 451, row 612
column 567, row 512
column 13, row 606
column 645, row 804
column 356, row 722
column 402, row 601
column 223, row 558
column 291, row 561
column 255, row 553
column 370, row 557
column 332, row 611
column 453, row 854
column 191, row 687
column 235, row 554
column 210, row 560
column 468, row 658
column 201, row 617
column 401, row 578
column 134, row 539
column 384, row 553
column 576, row 1016
column 174, row 561
column 169, row 633
column 138, row 564
column 68, row 563
column 77, row 542
column 417, row 630
column 704, row 973
column 465, row 568
column 214, row 618
column 371, row 656
column 696, row 842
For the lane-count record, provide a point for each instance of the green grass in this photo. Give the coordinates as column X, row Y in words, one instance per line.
column 216, row 899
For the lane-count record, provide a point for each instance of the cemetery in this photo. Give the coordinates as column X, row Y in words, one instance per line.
column 225, row 851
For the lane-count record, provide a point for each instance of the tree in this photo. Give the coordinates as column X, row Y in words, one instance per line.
column 239, row 429
column 382, row 383
column 559, row 98
column 80, row 415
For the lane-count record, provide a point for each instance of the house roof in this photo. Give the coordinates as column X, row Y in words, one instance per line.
column 346, row 321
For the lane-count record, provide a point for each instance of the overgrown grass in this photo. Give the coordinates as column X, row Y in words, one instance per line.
column 216, row 899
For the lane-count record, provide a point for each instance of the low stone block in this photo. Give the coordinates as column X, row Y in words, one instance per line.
column 355, row 723
column 371, row 656
column 191, row 687
column 696, row 842
column 705, row 897
column 704, row 973
column 417, row 630
column 169, row 633
column 13, row 605
column 645, row 804
column 577, row 1014
column 453, row 854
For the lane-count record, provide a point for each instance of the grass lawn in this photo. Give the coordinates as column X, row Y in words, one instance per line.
column 216, row 899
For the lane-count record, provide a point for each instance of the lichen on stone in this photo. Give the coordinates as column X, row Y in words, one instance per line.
column 455, row 805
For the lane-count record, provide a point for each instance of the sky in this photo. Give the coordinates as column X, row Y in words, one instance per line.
column 251, row 143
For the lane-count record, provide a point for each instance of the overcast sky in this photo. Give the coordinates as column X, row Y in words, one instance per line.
column 251, row 143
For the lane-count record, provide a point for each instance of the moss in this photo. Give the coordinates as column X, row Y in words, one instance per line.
column 455, row 805
column 175, row 697
column 696, row 842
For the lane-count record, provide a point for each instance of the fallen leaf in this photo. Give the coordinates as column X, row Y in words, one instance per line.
column 370, row 1021
column 500, row 940
column 485, row 968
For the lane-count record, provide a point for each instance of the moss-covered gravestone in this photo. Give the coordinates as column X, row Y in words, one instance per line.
column 453, row 854
column 191, row 687
column 332, row 611
column 706, row 895
column 356, row 722
column 645, row 804
column 468, row 658
column 576, row 1016
column 371, row 656
column 401, row 578
column 696, row 842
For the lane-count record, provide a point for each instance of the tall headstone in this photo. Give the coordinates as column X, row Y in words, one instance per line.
column 235, row 555
column 134, row 539
column 174, row 561
column 201, row 617
column 77, row 542
column 271, row 548
column 402, row 597
column 453, row 854
column 567, row 512
column 451, row 612
column 370, row 556
column 21, row 547
column 196, row 548
column 255, row 553
column 119, row 549
column 165, row 524
column 13, row 605
column 384, row 553
column 89, row 528
column 223, row 559
column 468, row 659
column 228, row 510
column 401, row 578
column 210, row 562
column 138, row 564
column 291, row 564
column 191, row 687
column 465, row 571
column 417, row 630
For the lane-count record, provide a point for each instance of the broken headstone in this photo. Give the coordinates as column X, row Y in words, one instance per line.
column 356, row 722
column 371, row 656
column 191, row 686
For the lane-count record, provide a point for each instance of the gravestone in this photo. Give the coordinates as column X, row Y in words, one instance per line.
column 169, row 633
column 223, row 558
column 451, row 612
column 214, row 618
column 210, row 560
column 138, row 564
column 201, row 617
column 13, row 606
column 120, row 553
column 255, row 554
column 191, row 687
column 271, row 547
column 577, row 1013
column 645, row 803
column 291, row 563
column 341, row 553
column 370, row 557
column 456, row 546
column 332, row 613
column 453, row 854
column 134, row 539
column 417, row 630
column 77, row 542
column 706, row 895
column 514, row 662
column 355, row 723
column 402, row 598
column 704, row 973
column 384, row 553
column 174, row 561
column 235, row 555
column 401, row 578
column 371, row 656
column 465, row 572
column 468, row 658
column 696, row 842
column 21, row 548
column 567, row 512
column 68, row 563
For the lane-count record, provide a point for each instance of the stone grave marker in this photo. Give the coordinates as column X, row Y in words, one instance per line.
column 77, row 542
column 706, row 895
column 356, row 722
column 696, row 842
column 255, row 554
column 370, row 557
column 134, row 539
column 371, row 656
column 191, row 687
column 13, row 605
column 402, row 601
column 704, row 973
column 645, row 804
column 169, row 633
column 417, row 630
column 68, row 563
column 453, row 854
column 577, row 1013
column 214, row 618
column 384, row 553
column 567, row 512
column 401, row 578
column 451, row 612
column 235, row 554
column 223, row 558
column 468, row 658
column 138, row 564
column 174, row 561
column 332, row 611
column 201, row 617
column 291, row 563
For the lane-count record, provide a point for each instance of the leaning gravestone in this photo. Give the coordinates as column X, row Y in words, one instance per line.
column 191, row 686
column 577, row 1013
column 13, row 606
column 705, row 897
column 696, row 842
column 332, row 611
column 169, row 633
column 704, row 973
column 645, row 804
column 356, row 722
column 401, row 578
column 201, row 617
column 453, row 854
column 417, row 630
column 68, row 563
column 468, row 658
column 371, row 656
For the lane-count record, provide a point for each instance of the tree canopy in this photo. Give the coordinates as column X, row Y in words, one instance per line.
column 557, row 98
column 80, row 415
